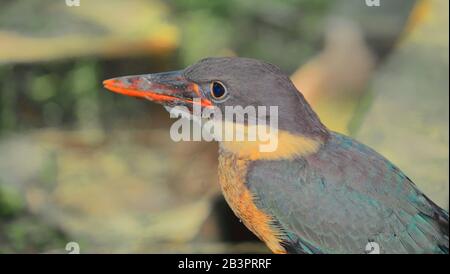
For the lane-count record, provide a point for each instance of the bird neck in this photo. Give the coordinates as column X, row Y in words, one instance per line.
column 299, row 133
column 299, row 119
column 276, row 145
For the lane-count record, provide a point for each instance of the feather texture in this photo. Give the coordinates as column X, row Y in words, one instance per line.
column 344, row 196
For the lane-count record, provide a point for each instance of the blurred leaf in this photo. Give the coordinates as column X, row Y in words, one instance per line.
column 11, row 201
column 42, row 88
column 48, row 29
column 408, row 118
column 257, row 29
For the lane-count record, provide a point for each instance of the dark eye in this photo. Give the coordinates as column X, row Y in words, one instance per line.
column 218, row 90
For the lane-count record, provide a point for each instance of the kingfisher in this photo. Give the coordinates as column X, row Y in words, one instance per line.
column 318, row 191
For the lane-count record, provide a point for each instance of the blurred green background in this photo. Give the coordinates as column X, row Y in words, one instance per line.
column 81, row 164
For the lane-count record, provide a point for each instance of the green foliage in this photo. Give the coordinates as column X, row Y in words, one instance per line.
column 81, row 82
column 7, row 97
column 29, row 234
column 11, row 202
column 43, row 88
column 284, row 32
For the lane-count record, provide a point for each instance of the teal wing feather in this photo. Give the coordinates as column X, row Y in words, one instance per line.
column 344, row 196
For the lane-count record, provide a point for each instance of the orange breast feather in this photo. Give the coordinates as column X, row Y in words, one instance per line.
column 232, row 173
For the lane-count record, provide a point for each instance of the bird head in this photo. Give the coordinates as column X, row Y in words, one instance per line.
column 228, row 82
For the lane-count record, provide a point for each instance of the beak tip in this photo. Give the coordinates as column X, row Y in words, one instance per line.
column 111, row 84
column 108, row 82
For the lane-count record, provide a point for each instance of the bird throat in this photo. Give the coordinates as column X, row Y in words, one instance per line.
column 280, row 145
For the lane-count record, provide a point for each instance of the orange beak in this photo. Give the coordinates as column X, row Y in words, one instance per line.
column 167, row 88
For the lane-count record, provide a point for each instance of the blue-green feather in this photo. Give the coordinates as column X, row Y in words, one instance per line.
column 345, row 195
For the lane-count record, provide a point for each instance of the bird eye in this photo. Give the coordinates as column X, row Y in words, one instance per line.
column 218, row 90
